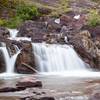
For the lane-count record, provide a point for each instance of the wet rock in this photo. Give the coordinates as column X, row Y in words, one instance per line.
column 42, row 98
column 10, row 89
column 25, row 62
column 2, row 62
column 29, row 82
column 4, row 32
column 47, row 98
column 86, row 48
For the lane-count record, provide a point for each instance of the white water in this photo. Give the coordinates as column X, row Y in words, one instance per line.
column 9, row 61
column 61, row 60
column 13, row 32
column 57, row 58
column 13, row 36
column 20, row 39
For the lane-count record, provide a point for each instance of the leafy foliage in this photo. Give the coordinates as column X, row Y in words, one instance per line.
column 23, row 11
column 27, row 12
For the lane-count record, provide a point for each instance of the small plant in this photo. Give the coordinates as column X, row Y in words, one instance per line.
column 19, row 11
column 27, row 12
column 94, row 18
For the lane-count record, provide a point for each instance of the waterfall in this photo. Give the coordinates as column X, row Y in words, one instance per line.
column 9, row 61
column 13, row 36
column 57, row 58
column 13, row 33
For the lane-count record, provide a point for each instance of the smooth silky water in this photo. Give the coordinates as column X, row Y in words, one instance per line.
column 55, row 59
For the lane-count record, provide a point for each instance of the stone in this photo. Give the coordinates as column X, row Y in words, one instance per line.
column 25, row 63
column 32, row 29
column 29, row 82
column 53, row 26
column 10, row 89
column 41, row 98
column 86, row 48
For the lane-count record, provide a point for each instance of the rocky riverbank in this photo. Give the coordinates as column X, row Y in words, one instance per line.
column 46, row 88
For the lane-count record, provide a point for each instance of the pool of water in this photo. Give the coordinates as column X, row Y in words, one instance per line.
column 71, row 88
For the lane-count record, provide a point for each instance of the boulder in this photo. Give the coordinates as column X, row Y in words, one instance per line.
column 41, row 98
column 10, row 89
column 53, row 25
column 25, row 63
column 86, row 48
column 41, row 30
column 32, row 29
column 29, row 82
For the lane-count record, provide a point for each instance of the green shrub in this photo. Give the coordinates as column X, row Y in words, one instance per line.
column 27, row 12
column 94, row 18
column 22, row 11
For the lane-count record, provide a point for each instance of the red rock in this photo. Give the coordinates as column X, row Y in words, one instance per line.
column 29, row 82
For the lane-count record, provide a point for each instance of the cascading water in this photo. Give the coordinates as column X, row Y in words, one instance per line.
column 57, row 58
column 50, row 58
column 10, row 61
column 13, row 33
column 13, row 36
column 54, row 59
